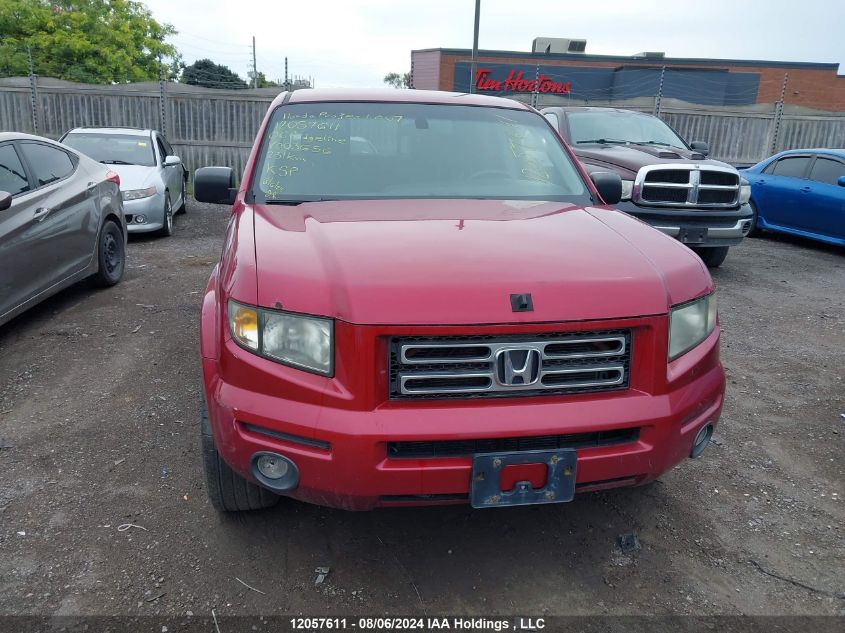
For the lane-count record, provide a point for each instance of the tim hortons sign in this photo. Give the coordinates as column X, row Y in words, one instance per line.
column 516, row 82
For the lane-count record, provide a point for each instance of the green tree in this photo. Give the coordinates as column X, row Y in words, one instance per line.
column 92, row 41
column 263, row 82
column 398, row 81
column 205, row 72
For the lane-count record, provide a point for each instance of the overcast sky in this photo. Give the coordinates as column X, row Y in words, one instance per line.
column 356, row 42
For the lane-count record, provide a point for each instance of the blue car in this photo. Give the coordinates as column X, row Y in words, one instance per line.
column 800, row 192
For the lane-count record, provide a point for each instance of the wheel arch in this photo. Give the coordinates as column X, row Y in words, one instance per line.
column 210, row 320
column 114, row 217
column 108, row 214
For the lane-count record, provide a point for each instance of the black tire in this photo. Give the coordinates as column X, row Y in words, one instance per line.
column 755, row 231
column 183, row 207
column 712, row 257
column 167, row 229
column 111, row 255
column 228, row 491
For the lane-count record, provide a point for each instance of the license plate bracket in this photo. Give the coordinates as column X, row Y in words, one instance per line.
column 486, row 492
column 693, row 234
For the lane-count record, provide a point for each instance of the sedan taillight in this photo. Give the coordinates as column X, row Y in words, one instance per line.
column 113, row 177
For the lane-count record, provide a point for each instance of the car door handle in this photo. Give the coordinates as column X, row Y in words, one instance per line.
column 806, row 189
column 41, row 214
column 92, row 187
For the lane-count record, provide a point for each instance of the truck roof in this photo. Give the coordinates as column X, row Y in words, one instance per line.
column 392, row 95
column 128, row 131
column 593, row 109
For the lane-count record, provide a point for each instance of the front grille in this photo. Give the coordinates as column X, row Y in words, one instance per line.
column 687, row 186
column 727, row 179
column 489, row 366
column 716, row 196
column 463, row 448
column 664, row 194
column 676, row 176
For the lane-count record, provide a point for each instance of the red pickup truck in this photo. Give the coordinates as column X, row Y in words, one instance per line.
column 424, row 299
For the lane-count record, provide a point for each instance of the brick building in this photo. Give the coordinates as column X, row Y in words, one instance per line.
column 576, row 77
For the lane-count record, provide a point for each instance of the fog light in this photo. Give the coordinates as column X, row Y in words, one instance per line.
column 271, row 466
column 274, row 471
column 140, row 219
column 702, row 439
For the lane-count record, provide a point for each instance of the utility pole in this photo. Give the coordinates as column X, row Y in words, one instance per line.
column 33, row 90
column 254, row 65
column 779, row 114
column 287, row 85
column 659, row 92
column 474, row 46
column 535, row 97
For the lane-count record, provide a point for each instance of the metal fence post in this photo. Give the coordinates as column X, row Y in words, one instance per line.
column 33, row 90
column 162, row 101
column 778, row 115
column 659, row 92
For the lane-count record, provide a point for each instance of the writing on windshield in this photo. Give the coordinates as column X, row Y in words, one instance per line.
column 387, row 150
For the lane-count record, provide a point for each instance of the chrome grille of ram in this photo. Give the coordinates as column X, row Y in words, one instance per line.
column 687, row 186
column 488, row 366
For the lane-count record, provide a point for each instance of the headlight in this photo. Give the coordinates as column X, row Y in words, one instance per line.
column 291, row 339
column 691, row 323
column 137, row 194
column 744, row 191
column 627, row 189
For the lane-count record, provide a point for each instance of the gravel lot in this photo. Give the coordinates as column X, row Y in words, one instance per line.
column 99, row 395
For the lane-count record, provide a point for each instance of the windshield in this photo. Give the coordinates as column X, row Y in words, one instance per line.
column 620, row 127
column 398, row 150
column 113, row 149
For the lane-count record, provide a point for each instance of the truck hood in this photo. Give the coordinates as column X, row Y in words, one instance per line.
column 458, row 262
column 633, row 157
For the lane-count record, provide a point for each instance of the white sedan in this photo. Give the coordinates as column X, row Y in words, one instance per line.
column 153, row 179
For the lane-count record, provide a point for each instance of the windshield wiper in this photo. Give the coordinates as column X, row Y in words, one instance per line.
column 116, row 162
column 292, row 202
column 660, row 143
column 603, row 141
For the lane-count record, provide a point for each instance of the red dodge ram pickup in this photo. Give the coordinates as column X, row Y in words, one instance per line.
column 423, row 299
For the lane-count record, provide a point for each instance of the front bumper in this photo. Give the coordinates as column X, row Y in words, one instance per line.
column 695, row 227
column 151, row 210
column 342, row 453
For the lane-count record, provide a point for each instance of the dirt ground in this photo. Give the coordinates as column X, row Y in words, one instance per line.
column 99, row 427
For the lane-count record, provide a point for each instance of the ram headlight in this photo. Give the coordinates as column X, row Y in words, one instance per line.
column 691, row 323
column 744, row 191
column 627, row 189
column 298, row 340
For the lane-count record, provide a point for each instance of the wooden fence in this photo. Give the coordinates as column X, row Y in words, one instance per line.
column 217, row 127
column 205, row 126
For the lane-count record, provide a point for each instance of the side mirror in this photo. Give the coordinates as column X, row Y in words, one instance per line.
column 841, row 181
column 215, row 185
column 6, row 200
column 172, row 161
column 701, row 147
column 609, row 186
